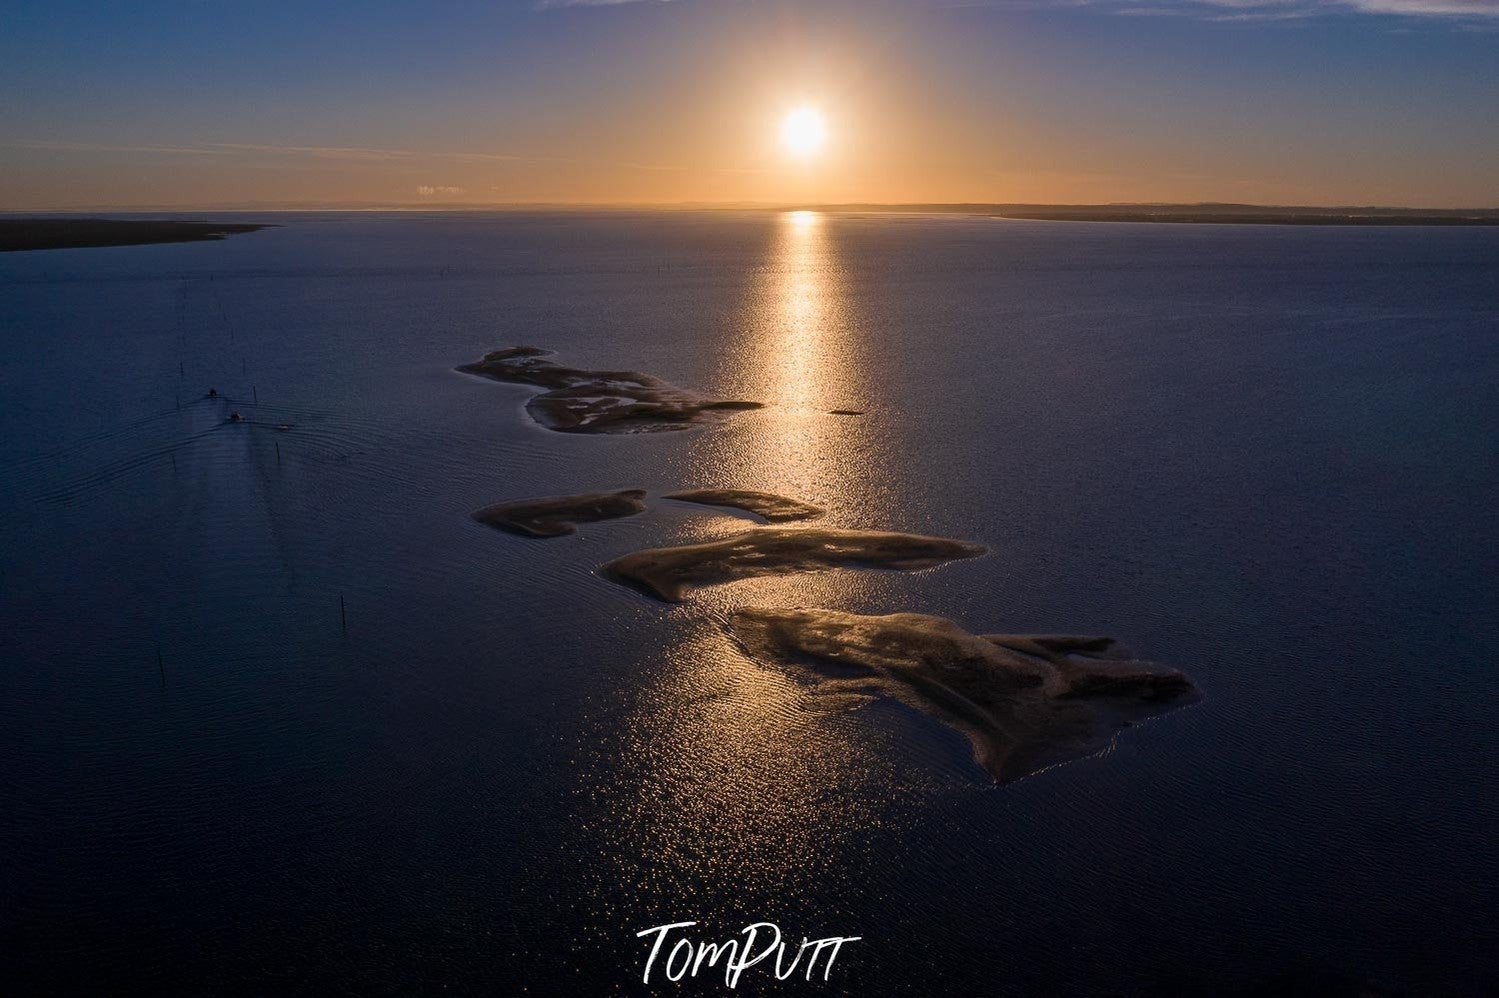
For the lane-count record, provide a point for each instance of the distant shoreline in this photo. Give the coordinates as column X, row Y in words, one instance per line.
column 54, row 232
column 1208, row 219
column 1198, row 214
column 18, row 234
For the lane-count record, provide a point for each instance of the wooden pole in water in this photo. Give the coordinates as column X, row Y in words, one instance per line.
column 161, row 666
column 181, row 371
column 343, row 613
column 254, row 394
column 278, row 452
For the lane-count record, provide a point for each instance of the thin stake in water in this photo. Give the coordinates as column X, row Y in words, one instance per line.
column 161, row 666
column 343, row 613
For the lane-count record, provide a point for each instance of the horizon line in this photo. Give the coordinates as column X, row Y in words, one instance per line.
column 894, row 206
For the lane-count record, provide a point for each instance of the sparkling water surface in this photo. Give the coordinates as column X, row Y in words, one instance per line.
column 276, row 716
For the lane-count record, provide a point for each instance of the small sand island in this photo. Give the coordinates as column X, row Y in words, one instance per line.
column 1025, row 702
column 774, row 508
column 579, row 401
column 667, row 573
column 558, row 516
column 78, row 233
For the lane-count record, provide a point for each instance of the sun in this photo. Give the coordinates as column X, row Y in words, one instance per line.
column 803, row 132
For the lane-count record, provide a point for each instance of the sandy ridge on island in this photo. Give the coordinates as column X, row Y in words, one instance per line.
column 558, row 516
column 580, row 401
column 667, row 573
column 775, row 508
column 1025, row 702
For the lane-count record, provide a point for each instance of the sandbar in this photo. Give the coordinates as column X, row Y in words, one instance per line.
column 581, row 401
column 775, row 508
column 1025, row 702
column 558, row 516
column 668, row 573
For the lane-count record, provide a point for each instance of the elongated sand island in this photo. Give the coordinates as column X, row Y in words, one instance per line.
column 1025, row 702
column 558, row 516
column 668, row 573
column 774, row 508
column 579, row 401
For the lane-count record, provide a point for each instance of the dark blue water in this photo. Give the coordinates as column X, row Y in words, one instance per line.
column 1266, row 456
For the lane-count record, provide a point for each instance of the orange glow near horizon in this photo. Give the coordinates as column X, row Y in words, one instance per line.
column 746, row 104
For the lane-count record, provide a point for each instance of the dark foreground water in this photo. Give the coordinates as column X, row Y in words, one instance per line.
column 1266, row 456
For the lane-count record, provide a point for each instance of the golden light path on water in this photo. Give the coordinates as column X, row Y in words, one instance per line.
column 736, row 775
column 800, row 351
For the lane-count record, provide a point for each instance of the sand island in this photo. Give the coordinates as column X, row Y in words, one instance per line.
column 558, row 516
column 78, row 233
column 776, row 509
column 579, row 401
column 668, row 573
column 1025, row 702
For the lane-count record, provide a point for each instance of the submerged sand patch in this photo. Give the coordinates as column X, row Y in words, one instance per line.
column 580, row 401
column 558, row 516
column 667, row 573
column 1025, row 702
column 775, row 508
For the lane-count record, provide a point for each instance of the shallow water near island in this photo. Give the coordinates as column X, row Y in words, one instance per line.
column 277, row 715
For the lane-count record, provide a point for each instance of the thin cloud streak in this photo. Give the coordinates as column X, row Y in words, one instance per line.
column 554, row 4
column 1250, row 9
column 1453, row 11
column 47, row 146
column 347, row 153
column 351, row 154
column 363, row 154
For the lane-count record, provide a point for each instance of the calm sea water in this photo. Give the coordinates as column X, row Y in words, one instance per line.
column 1266, row 456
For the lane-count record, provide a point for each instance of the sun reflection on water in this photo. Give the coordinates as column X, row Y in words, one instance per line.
column 797, row 350
column 726, row 771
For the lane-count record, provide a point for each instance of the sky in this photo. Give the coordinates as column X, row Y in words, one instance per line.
column 204, row 103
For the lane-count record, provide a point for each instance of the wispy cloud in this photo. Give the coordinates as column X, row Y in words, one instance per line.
column 430, row 191
column 552, row 4
column 103, row 147
column 1246, row 10
column 358, row 153
column 344, row 153
column 1442, row 8
column 248, row 153
column 1285, row 9
column 1454, row 11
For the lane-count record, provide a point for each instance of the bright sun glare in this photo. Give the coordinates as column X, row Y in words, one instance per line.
column 803, row 131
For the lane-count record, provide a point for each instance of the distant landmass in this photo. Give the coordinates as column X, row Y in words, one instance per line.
column 62, row 232
column 78, row 233
column 1221, row 214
